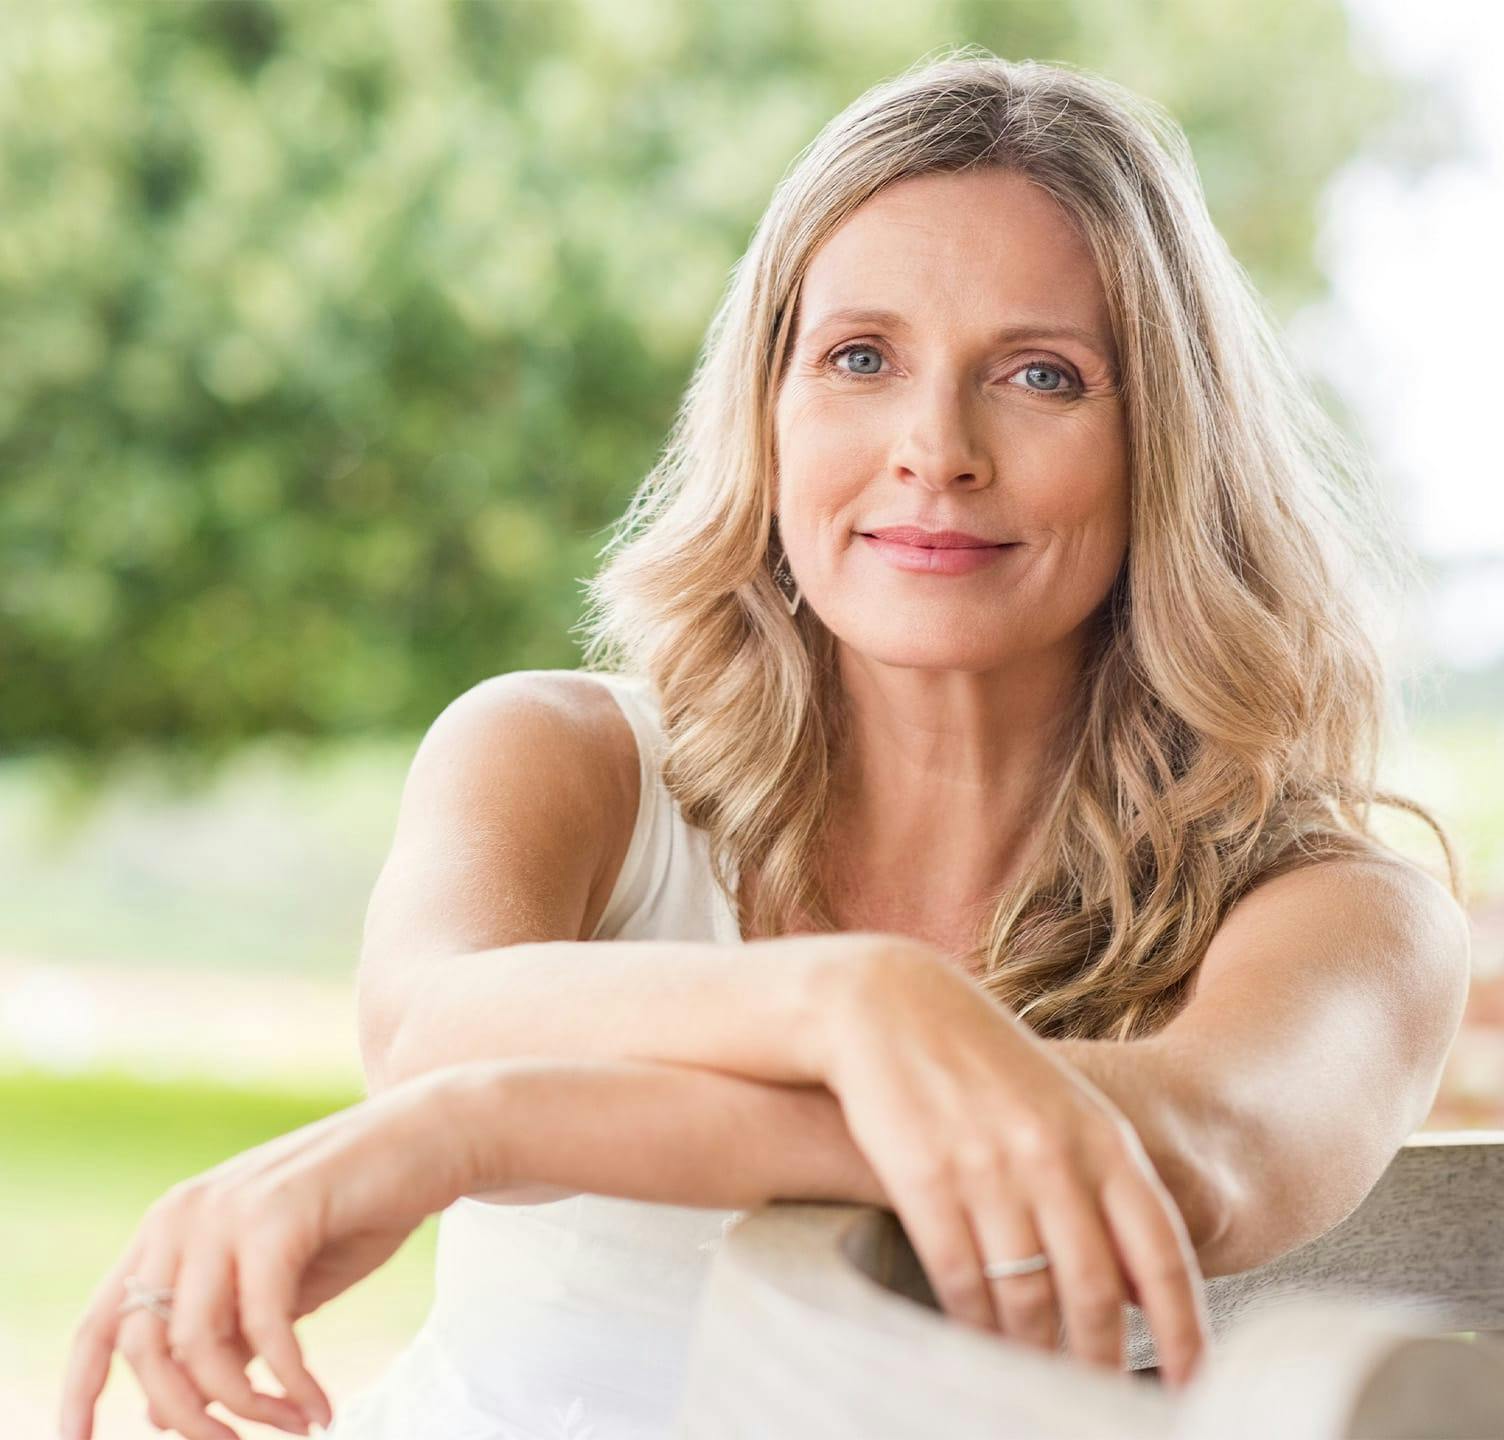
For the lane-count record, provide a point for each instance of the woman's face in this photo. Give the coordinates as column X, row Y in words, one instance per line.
column 984, row 401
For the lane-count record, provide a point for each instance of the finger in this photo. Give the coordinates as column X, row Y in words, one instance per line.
column 172, row 1396
column 1005, row 1230
column 941, row 1235
column 204, row 1337
column 93, row 1348
column 1089, row 1278
column 269, row 1274
column 1161, row 1263
column 176, row 1402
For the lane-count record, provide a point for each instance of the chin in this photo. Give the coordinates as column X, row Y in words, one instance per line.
column 920, row 648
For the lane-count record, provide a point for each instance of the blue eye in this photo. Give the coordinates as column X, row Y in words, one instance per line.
column 1038, row 367
column 1066, row 384
column 854, row 346
column 1064, row 381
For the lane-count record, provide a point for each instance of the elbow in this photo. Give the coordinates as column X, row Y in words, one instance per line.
column 1207, row 1196
column 376, row 1066
column 377, row 1034
column 377, row 1070
column 1201, row 1163
column 393, row 1047
column 1213, row 1225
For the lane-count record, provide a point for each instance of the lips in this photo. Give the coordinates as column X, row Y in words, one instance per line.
column 933, row 539
column 937, row 560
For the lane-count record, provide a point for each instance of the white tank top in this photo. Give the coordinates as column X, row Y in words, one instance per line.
column 571, row 1320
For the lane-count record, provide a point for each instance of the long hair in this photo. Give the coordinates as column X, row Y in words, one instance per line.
column 1230, row 722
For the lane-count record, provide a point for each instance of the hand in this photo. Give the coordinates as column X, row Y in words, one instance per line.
column 991, row 1148
column 253, row 1244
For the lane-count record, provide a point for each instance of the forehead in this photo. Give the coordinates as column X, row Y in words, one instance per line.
column 988, row 244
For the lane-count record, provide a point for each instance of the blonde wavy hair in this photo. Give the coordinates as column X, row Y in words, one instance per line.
column 1229, row 723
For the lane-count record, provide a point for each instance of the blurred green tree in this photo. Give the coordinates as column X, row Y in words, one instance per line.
column 333, row 337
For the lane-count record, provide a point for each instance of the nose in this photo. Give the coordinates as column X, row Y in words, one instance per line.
column 940, row 445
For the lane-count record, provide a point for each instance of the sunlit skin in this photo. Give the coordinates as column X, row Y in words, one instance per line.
column 956, row 681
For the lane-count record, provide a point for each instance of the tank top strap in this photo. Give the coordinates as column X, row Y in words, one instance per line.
column 651, row 842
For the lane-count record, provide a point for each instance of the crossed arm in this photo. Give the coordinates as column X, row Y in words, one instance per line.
column 1312, row 1046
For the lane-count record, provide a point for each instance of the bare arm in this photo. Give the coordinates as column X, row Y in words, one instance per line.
column 720, row 1141
column 1318, row 1030
column 521, row 796
column 505, row 821
column 1269, row 1106
column 748, row 1009
column 709, row 1080
column 697, row 1137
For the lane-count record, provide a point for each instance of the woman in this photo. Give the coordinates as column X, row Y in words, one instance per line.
column 972, row 783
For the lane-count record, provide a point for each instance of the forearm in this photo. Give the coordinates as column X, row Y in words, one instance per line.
column 1184, row 1136
column 673, row 1134
column 679, row 1135
column 752, row 1009
column 659, row 1040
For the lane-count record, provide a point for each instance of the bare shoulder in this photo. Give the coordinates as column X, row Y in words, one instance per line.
column 601, row 742
column 1398, row 885
column 526, row 788
column 568, row 731
column 1412, row 919
column 566, row 724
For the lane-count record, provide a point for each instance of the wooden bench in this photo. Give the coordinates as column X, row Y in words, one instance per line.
column 817, row 1321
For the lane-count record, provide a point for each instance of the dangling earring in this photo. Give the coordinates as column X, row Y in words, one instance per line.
column 783, row 577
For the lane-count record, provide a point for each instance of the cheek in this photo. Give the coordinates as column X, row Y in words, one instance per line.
column 824, row 455
column 1080, row 490
column 811, row 427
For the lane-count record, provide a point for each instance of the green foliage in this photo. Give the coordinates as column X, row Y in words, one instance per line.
column 333, row 337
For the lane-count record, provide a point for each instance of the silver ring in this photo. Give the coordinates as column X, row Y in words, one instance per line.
column 1002, row 1269
column 139, row 1296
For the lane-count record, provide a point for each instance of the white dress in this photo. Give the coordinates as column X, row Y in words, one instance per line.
column 570, row 1320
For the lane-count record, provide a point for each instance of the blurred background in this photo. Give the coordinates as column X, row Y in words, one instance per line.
column 332, row 340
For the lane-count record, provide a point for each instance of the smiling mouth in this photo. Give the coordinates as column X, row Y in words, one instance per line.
column 919, row 545
column 916, row 558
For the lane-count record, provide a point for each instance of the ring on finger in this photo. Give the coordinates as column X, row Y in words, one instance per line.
column 1002, row 1269
column 1030, row 1310
column 1027, row 1308
column 141, row 1296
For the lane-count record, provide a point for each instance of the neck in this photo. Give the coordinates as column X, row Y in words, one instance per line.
column 945, row 773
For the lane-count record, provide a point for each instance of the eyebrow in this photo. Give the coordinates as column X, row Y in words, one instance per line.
column 1042, row 329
